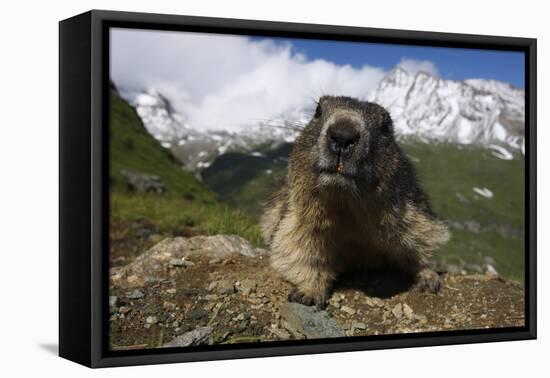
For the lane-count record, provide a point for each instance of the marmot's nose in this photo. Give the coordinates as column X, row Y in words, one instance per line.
column 341, row 137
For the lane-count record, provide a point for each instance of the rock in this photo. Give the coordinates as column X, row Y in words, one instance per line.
column 490, row 270
column 169, row 306
column 359, row 325
column 113, row 301
column 140, row 182
column 453, row 269
column 176, row 262
column 473, row 268
column 124, row 309
column 195, row 314
column 243, row 316
column 136, row 294
column 397, row 311
column 247, row 286
column 307, row 321
column 407, row 311
column 473, row 226
column 348, row 310
column 151, row 320
column 374, row 302
column 199, row 336
column 222, row 287
column 211, row 297
column 151, row 265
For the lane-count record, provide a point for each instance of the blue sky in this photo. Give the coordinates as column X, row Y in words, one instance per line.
column 452, row 63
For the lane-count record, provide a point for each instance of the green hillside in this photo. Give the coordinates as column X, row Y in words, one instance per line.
column 138, row 220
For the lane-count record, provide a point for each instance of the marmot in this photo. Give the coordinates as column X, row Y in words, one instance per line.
column 351, row 199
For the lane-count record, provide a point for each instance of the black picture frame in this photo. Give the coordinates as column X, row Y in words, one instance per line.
column 83, row 181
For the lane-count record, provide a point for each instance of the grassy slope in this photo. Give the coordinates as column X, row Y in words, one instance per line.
column 449, row 173
column 187, row 206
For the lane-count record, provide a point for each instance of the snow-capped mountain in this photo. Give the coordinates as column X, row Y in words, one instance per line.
column 158, row 116
column 196, row 149
column 424, row 107
column 474, row 111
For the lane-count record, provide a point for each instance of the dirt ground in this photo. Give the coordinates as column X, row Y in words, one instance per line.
column 240, row 299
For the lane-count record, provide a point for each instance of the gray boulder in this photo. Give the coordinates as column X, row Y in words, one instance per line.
column 154, row 264
column 308, row 322
column 199, row 336
column 141, row 182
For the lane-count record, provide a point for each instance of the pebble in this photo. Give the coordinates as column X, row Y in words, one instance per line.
column 407, row 311
column 348, row 310
column 247, row 286
column 195, row 314
column 243, row 316
column 397, row 311
column 151, row 320
column 359, row 325
column 374, row 302
column 136, row 294
column 176, row 262
column 222, row 287
column 113, row 301
column 169, row 306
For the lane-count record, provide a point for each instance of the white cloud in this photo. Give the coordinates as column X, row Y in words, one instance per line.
column 223, row 82
column 414, row 66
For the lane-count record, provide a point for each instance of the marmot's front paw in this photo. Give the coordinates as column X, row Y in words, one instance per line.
column 429, row 281
column 317, row 300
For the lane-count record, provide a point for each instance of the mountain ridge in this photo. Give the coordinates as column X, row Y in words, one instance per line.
column 424, row 107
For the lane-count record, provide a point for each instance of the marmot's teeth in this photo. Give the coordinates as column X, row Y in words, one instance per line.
column 340, row 167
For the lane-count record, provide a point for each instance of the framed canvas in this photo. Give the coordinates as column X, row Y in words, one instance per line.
column 234, row 188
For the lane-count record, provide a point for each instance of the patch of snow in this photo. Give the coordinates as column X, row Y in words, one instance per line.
column 501, row 152
column 203, row 164
column 484, row 192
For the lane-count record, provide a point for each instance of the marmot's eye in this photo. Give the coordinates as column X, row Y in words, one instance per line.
column 317, row 111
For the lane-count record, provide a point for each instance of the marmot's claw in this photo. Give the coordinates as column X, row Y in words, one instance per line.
column 429, row 281
column 319, row 301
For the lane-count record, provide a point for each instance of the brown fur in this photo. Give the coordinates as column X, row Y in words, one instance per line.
column 317, row 232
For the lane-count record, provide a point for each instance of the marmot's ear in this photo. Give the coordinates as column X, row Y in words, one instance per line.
column 387, row 123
